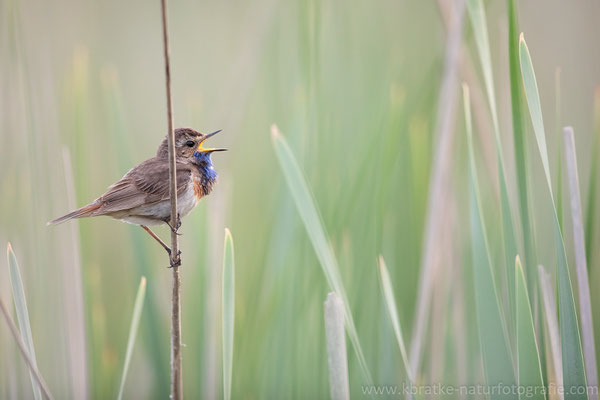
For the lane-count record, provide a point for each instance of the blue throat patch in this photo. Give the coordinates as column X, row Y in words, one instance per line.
column 205, row 166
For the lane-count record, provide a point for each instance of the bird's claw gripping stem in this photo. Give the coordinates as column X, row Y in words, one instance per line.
column 177, row 225
column 177, row 262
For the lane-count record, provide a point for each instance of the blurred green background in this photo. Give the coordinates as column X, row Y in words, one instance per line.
column 354, row 87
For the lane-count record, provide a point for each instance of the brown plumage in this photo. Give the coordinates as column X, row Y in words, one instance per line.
column 142, row 196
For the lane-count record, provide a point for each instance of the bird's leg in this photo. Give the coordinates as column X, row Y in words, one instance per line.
column 167, row 248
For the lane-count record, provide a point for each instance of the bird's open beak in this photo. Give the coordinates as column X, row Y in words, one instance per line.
column 202, row 149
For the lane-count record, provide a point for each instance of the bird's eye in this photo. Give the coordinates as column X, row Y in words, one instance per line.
column 190, row 143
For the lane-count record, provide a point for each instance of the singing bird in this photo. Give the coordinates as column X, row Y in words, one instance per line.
column 142, row 197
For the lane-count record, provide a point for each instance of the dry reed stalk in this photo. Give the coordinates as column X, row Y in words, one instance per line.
column 336, row 347
column 438, row 188
column 74, row 312
column 175, row 260
column 551, row 321
column 581, row 265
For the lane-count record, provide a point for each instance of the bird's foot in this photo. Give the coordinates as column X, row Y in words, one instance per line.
column 177, row 261
column 175, row 229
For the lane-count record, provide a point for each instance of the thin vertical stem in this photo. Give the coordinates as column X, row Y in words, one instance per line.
column 336, row 347
column 176, row 378
column 438, row 184
column 550, row 313
column 585, row 302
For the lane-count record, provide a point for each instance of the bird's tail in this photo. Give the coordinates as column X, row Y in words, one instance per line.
column 86, row 211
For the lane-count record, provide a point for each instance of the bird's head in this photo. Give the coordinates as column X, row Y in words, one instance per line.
column 189, row 145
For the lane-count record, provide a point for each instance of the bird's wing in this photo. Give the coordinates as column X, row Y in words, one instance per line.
column 145, row 184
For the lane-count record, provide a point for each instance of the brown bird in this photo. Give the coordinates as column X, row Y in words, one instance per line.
column 142, row 197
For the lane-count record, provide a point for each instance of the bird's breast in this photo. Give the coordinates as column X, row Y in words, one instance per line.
column 198, row 188
column 188, row 200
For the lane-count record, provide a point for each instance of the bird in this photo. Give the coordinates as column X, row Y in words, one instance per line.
column 141, row 196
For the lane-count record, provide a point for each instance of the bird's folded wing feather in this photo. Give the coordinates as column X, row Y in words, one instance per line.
column 145, row 184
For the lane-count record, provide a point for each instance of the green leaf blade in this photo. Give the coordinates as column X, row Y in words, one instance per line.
column 388, row 295
column 494, row 346
column 22, row 314
column 535, row 108
column 309, row 215
column 478, row 21
column 590, row 221
column 477, row 17
column 133, row 328
column 529, row 366
column 516, row 94
column 572, row 358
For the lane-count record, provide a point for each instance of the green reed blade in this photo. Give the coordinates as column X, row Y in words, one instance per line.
column 390, row 302
column 311, row 219
column 557, row 130
column 477, row 16
column 228, row 293
column 22, row 314
column 133, row 328
column 516, row 94
column 529, row 367
column 591, row 200
column 572, row 358
column 497, row 362
column 535, row 108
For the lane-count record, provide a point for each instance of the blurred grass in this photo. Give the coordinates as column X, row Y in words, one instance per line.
column 572, row 358
column 493, row 333
column 480, row 32
column 20, row 300
column 355, row 88
column 388, row 294
column 552, row 336
column 528, row 356
column 135, row 322
column 581, row 268
column 590, row 222
column 519, row 142
column 309, row 214
column 337, row 359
